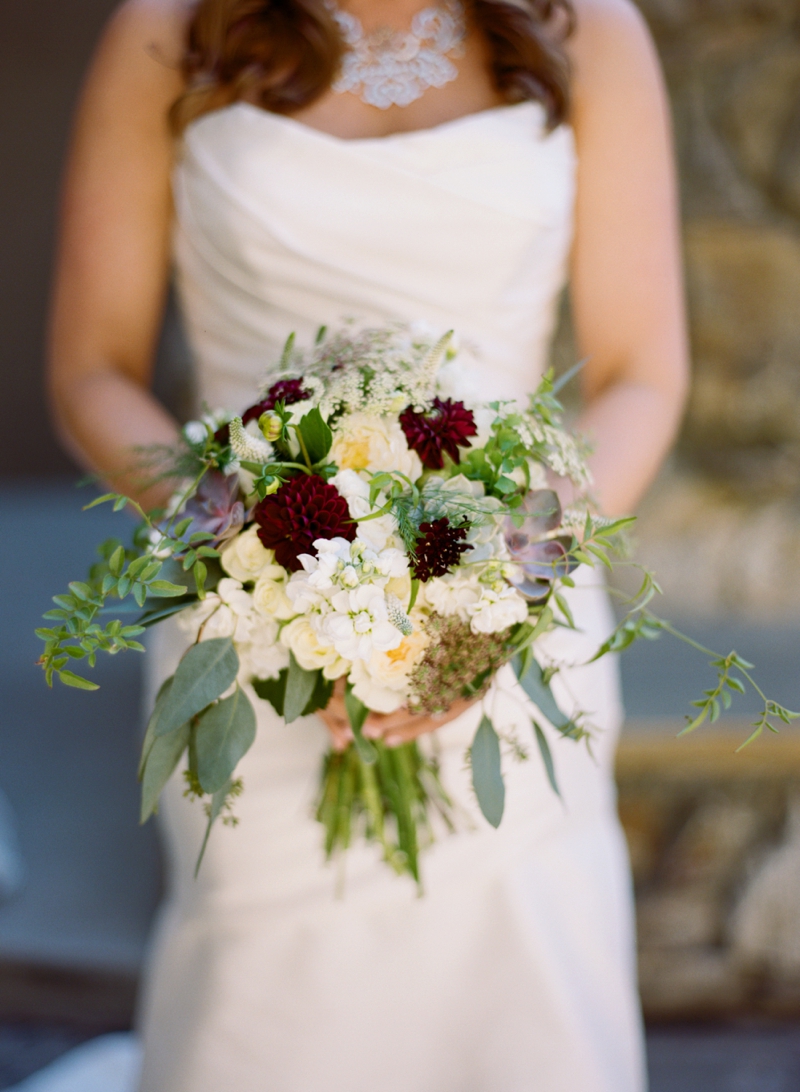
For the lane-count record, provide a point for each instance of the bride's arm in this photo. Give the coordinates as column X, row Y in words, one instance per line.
column 626, row 283
column 113, row 257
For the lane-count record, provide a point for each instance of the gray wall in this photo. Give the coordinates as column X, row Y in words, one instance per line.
column 44, row 47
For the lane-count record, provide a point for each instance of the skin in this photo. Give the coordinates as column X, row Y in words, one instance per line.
column 626, row 287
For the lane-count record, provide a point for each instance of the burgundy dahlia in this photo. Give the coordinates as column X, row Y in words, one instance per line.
column 304, row 509
column 439, row 549
column 446, row 427
column 287, row 391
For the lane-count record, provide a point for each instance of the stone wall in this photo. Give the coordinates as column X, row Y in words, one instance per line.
column 722, row 526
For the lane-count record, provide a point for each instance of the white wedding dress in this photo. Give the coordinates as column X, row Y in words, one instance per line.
column 515, row 971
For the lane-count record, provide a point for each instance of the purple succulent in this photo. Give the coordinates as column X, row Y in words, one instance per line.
column 541, row 559
column 216, row 507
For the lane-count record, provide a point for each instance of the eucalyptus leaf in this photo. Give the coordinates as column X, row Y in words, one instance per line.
column 214, row 809
column 487, row 776
column 225, row 732
column 532, row 682
column 547, row 757
column 205, row 672
column 299, row 688
column 159, row 765
column 150, row 734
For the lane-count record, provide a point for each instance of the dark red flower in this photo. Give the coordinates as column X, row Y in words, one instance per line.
column 304, row 509
column 287, row 391
column 439, row 549
column 446, row 427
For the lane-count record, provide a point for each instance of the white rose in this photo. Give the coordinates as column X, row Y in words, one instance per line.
column 310, row 652
column 379, row 698
column 269, row 594
column 382, row 682
column 497, row 611
column 260, row 661
column 244, row 557
column 364, row 441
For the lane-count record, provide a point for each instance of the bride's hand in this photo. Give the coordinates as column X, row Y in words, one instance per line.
column 392, row 728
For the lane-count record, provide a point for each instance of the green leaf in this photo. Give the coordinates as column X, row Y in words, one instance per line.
column 299, row 688
column 357, row 714
column 200, row 574
column 150, row 734
column 316, row 434
column 547, row 757
column 164, row 589
column 225, row 733
column 162, row 757
column 139, row 594
column 216, row 806
column 69, row 678
column 487, row 776
column 205, row 672
column 67, row 602
column 120, row 503
column 272, row 690
column 80, row 590
column 534, row 685
column 106, row 497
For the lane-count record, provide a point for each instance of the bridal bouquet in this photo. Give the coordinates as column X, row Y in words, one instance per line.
column 357, row 523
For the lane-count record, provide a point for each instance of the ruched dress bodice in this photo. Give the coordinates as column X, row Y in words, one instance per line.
column 282, row 228
column 514, row 973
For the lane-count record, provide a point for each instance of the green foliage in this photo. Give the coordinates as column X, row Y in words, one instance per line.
column 315, row 435
column 224, row 733
column 536, row 685
column 357, row 714
column 205, row 672
column 547, row 757
column 300, row 686
column 487, row 776
column 274, row 691
column 179, row 572
column 163, row 755
column 388, row 801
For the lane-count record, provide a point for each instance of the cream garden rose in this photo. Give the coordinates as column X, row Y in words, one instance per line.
column 302, row 640
column 244, row 558
column 269, row 594
column 364, row 441
column 382, row 682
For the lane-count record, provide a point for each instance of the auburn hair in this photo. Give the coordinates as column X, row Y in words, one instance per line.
column 284, row 54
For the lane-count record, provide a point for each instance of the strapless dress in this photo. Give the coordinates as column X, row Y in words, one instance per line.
column 275, row 973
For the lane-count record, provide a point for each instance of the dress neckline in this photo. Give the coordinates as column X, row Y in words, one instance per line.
column 463, row 120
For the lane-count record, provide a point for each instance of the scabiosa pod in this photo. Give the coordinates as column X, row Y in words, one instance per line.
column 439, row 548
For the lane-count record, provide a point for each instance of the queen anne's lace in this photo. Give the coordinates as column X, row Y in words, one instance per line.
column 393, row 68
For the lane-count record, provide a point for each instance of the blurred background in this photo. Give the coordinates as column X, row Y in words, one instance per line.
column 714, row 837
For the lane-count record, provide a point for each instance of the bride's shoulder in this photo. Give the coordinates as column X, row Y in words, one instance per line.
column 611, row 50
column 158, row 26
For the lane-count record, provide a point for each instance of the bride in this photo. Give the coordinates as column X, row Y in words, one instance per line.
column 295, row 163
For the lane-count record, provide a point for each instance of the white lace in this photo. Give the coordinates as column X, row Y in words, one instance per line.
column 394, row 68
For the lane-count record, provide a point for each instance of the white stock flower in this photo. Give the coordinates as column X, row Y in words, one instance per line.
column 312, row 654
column 376, row 532
column 364, row 441
column 497, row 610
column 244, row 557
column 359, row 623
column 454, row 594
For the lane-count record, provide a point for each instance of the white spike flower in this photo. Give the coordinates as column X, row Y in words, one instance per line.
column 397, row 615
column 246, row 446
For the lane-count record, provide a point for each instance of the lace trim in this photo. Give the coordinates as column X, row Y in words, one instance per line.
column 394, row 68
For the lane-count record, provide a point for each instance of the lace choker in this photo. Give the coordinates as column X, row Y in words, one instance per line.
column 394, row 68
